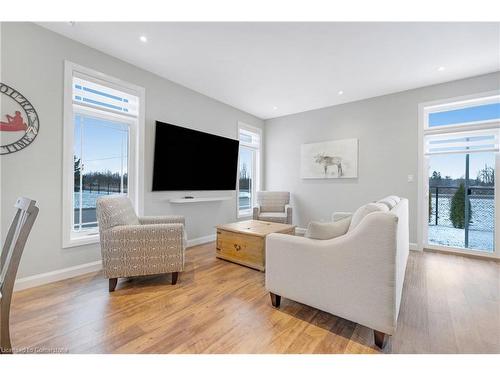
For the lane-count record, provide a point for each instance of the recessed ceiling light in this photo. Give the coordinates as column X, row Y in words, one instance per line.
column 143, row 38
column 275, row 108
column 441, row 68
column 340, row 92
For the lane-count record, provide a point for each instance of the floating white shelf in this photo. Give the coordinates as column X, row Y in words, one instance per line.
column 199, row 199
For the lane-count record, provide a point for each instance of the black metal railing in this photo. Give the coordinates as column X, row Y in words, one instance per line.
column 479, row 199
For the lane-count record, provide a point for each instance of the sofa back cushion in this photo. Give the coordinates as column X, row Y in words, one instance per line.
column 273, row 201
column 391, row 201
column 361, row 212
column 325, row 231
column 115, row 210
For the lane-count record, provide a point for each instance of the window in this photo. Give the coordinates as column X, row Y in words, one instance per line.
column 462, row 142
column 473, row 114
column 477, row 111
column 460, row 160
column 248, row 168
column 101, row 147
column 100, row 164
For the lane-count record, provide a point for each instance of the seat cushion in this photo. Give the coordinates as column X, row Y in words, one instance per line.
column 275, row 217
column 265, row 215
column 361, row 212
column 325, row 231
column 391, row 201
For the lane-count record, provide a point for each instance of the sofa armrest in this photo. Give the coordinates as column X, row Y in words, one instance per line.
column 168, row 219
column 339, row 215
column 346, row 276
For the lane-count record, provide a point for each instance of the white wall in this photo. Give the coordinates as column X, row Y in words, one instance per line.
column 32, row 62
column 387, row 128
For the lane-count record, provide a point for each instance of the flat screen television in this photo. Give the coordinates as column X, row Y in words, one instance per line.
column 186, row 159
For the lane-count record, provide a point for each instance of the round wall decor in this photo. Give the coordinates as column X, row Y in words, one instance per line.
column 19, row 123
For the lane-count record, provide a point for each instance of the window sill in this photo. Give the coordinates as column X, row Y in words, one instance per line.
column 81, row 240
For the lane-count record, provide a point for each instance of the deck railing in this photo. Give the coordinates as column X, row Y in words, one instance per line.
column 480, row 200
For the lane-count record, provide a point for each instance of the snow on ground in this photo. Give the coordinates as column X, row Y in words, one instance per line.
column 446, row 236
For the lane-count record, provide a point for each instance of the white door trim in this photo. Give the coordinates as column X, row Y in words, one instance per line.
column 423, row 183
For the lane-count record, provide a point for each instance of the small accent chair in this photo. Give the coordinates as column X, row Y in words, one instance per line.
column 138, row 246
column 9, row 261
column 273, row 206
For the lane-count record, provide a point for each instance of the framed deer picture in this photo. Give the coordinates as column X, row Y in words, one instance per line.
column 332, row 159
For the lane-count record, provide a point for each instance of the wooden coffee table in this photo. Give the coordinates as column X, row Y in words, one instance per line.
column 244, row 242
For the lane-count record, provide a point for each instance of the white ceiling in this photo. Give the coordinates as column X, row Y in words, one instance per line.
column 275, row 69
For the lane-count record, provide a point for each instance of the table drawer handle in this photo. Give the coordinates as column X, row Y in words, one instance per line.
column 237, row 247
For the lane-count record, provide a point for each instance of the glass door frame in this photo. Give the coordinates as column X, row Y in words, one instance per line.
column 423, row 174
column 256, row 149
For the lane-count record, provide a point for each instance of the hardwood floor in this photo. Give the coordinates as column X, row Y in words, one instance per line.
column 450, row 305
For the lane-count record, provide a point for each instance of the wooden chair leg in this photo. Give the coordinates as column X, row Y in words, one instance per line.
column 5, row 344
column 112, row 284
column 175, row 276
column 275, row 299
column 380, row 339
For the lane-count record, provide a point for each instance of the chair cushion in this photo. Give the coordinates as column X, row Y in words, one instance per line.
column 266, row 215
column 391, row 201
column 273, row 201
column 361, row 212
column 115, row 210
column 326, row 231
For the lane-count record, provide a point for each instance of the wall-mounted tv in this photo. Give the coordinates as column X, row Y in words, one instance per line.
column 186, row 159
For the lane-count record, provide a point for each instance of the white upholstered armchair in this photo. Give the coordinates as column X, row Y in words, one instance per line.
column 137, row 246
column 273, row 206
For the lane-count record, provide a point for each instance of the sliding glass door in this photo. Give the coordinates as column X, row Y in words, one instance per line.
column 462, row 201
column 248, row 169
column 460, row 205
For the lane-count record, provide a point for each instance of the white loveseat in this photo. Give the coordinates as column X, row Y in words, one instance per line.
column 357, row 276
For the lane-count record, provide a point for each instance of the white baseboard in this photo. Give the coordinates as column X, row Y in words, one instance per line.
column 201, row 240
column 50, row 277
column 67, row 273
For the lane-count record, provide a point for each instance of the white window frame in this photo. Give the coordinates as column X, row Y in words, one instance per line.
column 136, row 164
column 424, row 109
column 458, row 103
column 256, row 171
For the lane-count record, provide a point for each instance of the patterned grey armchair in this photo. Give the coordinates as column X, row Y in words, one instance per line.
column 273, row 206
column 136, row 246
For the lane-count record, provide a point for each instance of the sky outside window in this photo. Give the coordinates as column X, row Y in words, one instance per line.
column 103, row 144
column 457, row 116
column 453, row 165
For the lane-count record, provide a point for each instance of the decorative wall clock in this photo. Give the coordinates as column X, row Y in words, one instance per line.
column 19, row 124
